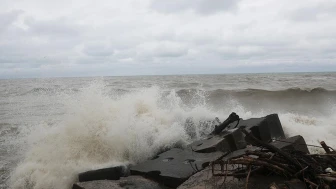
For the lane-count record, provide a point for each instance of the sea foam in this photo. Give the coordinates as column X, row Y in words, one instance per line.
column 103, row 128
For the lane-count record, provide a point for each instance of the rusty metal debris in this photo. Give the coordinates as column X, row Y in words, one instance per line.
column 314, row 170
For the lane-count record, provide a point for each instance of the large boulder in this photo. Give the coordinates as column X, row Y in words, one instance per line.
column 226, row 141
column 264, row 128
column 111, row 173
column 295, row 143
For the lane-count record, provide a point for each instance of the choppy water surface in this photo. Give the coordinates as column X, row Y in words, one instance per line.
column 52, row 129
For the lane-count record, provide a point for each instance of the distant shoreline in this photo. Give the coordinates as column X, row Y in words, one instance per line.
column 163, row 75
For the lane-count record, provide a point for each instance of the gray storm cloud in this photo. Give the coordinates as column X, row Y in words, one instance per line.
column 83, row 38
column 199, row 6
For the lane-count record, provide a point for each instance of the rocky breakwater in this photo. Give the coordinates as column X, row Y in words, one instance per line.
column 252, row 153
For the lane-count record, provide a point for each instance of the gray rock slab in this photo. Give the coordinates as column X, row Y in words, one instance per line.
column 110, row 173
column 173, row 167
column 227, row 141
column 132, row 182
column 264, row 128
column 295, row 143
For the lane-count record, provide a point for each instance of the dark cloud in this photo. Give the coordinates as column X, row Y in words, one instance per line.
column 199, row 6
column 322, row 10
column 35, row 43
column 212, row 6
column 8, row 18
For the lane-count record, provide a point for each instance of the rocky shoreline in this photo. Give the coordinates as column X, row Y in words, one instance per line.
column 252, row 153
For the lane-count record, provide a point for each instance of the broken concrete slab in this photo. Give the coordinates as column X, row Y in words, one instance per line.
column 131, row 182
column 173, row 167
column 227, row 141
column 295, row 143
column 232, row 118
column 264, row 128
column 111, row 173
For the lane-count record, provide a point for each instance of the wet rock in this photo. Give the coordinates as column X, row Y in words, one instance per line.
column 173, row 167
column 232, row 118
column 111, row 173
column 227, row 141
column 295, row 143
column 132, row 182
column 264, row 128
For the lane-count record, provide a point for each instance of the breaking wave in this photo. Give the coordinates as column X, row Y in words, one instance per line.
column 102, row 127
column 286, row 93
column 311, row 101
column 47, row 90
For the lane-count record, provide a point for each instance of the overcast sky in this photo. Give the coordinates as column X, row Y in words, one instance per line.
column 47, row 38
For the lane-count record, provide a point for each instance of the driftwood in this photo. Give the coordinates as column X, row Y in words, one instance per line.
column 309, row 168
column 272, row 149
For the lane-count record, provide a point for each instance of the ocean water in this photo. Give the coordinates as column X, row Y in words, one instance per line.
column 53, row 129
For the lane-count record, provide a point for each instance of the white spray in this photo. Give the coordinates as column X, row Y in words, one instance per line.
column 101, row 130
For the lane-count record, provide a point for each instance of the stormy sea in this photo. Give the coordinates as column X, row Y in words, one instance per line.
column 51, row 129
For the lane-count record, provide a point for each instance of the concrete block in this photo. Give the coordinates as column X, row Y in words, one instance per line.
column 264, row 128
column 295, row 143
column 111, row 173
column 173, row 167
column 227, row 141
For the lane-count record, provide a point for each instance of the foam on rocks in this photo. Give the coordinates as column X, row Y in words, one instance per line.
column 175, row 166
column 189, row 168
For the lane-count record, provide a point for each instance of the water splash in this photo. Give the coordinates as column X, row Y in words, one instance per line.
column 103, row 127
column 103, row 130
